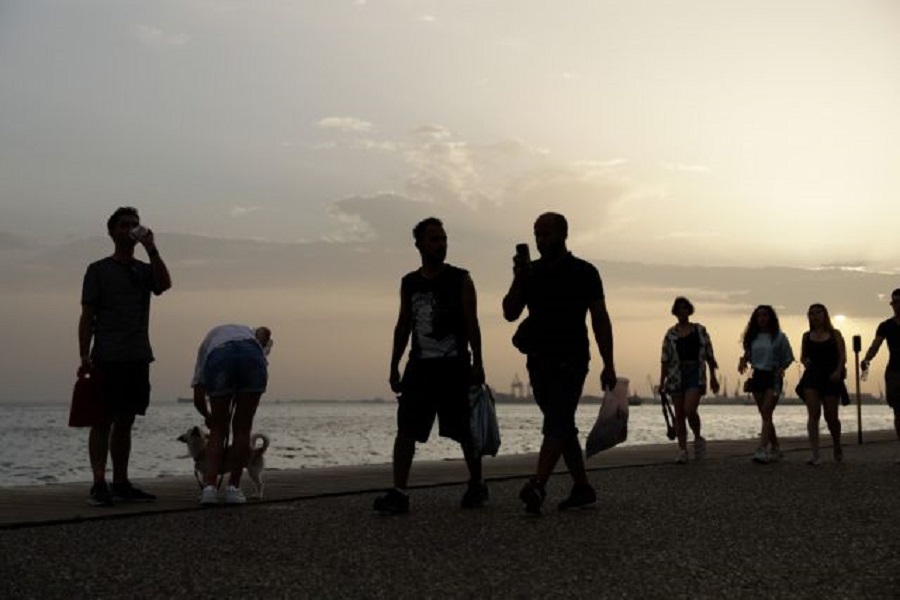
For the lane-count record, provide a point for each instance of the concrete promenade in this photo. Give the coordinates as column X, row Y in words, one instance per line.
column 722, row 527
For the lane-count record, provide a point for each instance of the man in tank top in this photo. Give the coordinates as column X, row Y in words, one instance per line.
column 438, row 314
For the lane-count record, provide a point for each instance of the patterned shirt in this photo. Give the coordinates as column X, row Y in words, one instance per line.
column 672, row 361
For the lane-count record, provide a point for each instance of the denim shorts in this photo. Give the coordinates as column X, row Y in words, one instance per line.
column 236, row 367
column 761, row 381
column 690, row 378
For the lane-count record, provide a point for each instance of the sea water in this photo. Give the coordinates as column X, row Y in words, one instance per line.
column 39, row 447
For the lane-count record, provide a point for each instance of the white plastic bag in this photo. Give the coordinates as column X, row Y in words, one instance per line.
column 483, row 421
column 611, row 427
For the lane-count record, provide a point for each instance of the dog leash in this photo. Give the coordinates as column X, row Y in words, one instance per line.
column 231, row 407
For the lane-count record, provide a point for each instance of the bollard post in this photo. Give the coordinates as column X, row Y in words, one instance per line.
column 857, row 346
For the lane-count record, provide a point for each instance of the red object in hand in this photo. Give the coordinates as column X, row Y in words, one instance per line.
column 87, row 402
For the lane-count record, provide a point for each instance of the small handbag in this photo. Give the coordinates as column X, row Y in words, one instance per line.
column 87, row 400
column 524, row 339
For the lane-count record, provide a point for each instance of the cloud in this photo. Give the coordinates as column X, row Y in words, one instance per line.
column 151, row 36
column 600, row 164
column 443, row 171
column 11, row 241
column 369, row 144
column 345, row 124
column 491, row 189
column 689, row 235
column 240, row 211
column 431, row 131
column 686, row 168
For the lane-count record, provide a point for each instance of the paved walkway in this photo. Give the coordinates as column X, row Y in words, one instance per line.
column 715, row 528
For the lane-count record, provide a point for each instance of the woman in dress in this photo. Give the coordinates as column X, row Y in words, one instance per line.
column 686, row 352
column 824, row 358
column 768, row 351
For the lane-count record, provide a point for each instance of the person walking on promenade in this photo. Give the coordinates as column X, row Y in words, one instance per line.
column 115, row 314
column 686, row 352
column 559, row 290
column 889, row 330
column 231, row 370
column 823, row 355
column 438, row 310
column 768, row 351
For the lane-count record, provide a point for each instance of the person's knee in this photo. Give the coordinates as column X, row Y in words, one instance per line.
column 123, row 423
column 101, row 431
column 562, row 433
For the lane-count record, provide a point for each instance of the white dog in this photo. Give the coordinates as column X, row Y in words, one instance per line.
column 195, row 439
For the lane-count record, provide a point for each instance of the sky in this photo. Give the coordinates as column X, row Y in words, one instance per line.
column 736, row 152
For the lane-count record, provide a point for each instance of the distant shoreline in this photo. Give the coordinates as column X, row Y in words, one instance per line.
column 500, row 398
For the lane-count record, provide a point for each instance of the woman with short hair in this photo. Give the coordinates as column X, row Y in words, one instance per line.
column 686, row 352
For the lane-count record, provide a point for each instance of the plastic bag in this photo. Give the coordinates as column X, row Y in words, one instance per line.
column 483, row 421
column 87, row 404
column 611, row 427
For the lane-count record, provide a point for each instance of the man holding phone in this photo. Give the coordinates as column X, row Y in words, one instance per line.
column 115, row 315
column 559, row 291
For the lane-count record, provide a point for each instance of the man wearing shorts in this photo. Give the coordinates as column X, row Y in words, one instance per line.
column 115, row 314
column 232, row 370
column 889, row 330
column 438, row 312
column 559, row 290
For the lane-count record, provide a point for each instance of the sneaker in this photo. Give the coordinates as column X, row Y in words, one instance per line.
column 395, row 502
column 699, row 448
column 532, row 494
column 100, row 495
column 580, row 496
column 682, row 457
column 233, row 495
column 838, row 453
column 125, row 492
column 775, row 454
column 209, row 496
column 815, row 460
column 476, row 495
column 761, row 456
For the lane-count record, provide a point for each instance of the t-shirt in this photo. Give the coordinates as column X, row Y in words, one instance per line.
column 438, row 322
column 219, row 336
column 119, row 294
column 558, row 297
column 890, row 331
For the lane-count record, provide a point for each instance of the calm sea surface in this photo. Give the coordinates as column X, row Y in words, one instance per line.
column 38, row 447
